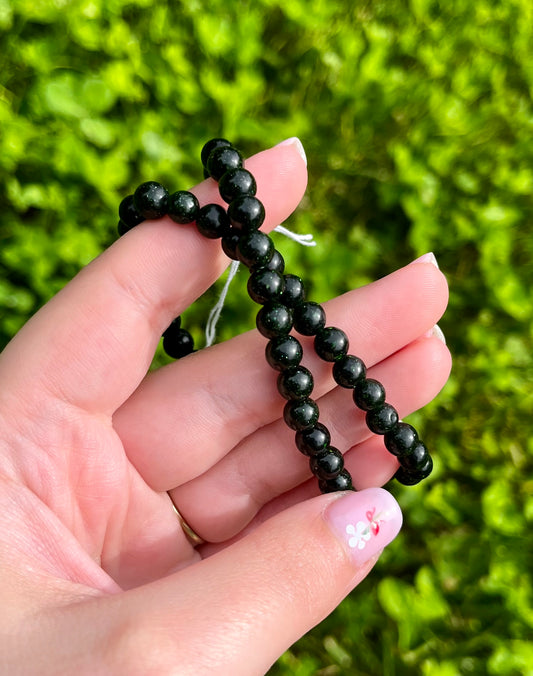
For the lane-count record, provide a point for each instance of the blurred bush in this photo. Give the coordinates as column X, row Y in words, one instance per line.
column 417, row 119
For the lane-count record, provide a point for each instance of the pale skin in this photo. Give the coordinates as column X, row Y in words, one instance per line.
column 97, row 574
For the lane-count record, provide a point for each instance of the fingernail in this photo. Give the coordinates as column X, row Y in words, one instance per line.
column 427, row 258
column 365, row 522
column 295, row 141
column 436, row 332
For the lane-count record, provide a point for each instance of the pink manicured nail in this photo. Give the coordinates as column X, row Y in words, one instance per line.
column 365, row 522
column 426, row 258
column 295, row 141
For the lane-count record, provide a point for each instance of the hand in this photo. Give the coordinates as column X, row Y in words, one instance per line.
column 97, row 574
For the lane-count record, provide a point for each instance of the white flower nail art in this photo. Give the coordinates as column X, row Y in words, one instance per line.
column 362, row 532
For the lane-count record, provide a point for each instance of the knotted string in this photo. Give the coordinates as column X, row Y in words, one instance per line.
column 214, row 315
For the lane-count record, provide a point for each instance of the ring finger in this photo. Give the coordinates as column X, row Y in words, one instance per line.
column 266, row 464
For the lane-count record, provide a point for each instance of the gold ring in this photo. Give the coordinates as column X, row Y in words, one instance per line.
column 191, row 535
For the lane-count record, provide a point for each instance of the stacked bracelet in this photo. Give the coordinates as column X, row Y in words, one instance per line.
column 284, row 308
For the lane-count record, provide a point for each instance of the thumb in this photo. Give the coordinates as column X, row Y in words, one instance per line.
column 239, row 610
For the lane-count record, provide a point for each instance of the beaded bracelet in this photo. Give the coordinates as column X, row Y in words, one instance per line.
column 284, row 308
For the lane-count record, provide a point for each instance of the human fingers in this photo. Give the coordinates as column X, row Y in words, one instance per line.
column 237, row 611
column 239, row 395
column 102, row 329
column 267, row 464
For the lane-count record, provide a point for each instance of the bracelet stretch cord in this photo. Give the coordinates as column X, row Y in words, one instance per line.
column 284, row 308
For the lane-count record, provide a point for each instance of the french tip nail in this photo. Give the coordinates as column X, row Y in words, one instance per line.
column 295, row 141
column 427, row 258
column 436, row 332
column 365, row 522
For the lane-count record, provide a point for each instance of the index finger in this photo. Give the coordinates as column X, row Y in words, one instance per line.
column 92, row 344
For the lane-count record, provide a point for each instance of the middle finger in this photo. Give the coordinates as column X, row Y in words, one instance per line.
column 186, row 417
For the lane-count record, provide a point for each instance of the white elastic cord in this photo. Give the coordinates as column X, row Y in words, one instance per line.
column 304, row 240
column 214, row 315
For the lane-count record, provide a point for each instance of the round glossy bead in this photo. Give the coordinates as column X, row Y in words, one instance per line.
column 331, row 343
column 283, row 352
column 229, row 243
column 210, row 146
column 348, row 370
column 416, row 458
column 236, row 183
column 382, row 419
column 401, row 439
column 328, row 465
column 273, row 320
column 277, row 262
column 255, row 249
column 410, row 478
column 246, row 213
column 178, row 343
column 265, row 286
column 173, row 328
column 299, row 414
column 295, row 383
column 342, row 482
column 150, row 199
column 368, row 394
column 309, row 318
column 183, row 207
column 294, row 292
column 122, row 228
column 212, row 221
column 223, row 159
column 314, row 440
column 128, row 214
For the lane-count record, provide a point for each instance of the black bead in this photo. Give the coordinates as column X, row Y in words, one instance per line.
column 369, row 394
column 309, row 318
column 173, row 328
column 410, row 478
column 178, row 344
column 277, row 262
column 183, row 207
column 210, row 146
column 314, row 440
column 222, row 159
column 122, row 228
column 283, row 352
column 255, row 249
column 382, row 419
column 401, row 439
column 295, row 383
column 229, row 243
column 415, row 458
column 331, row 343
column 246, row 213
column 236, row 183
column 212, row 221
column 265, row 286
column 348, row 370
column 150, row 199
column 294, row 293
column 342, row 482
column 299, row 414
column 273, row 320
column 328, row 465
column 128, row 214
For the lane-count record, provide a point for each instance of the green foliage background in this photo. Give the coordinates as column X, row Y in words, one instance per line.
column 417, row 119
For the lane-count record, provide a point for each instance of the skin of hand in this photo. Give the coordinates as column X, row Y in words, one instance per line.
column 97, row 574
